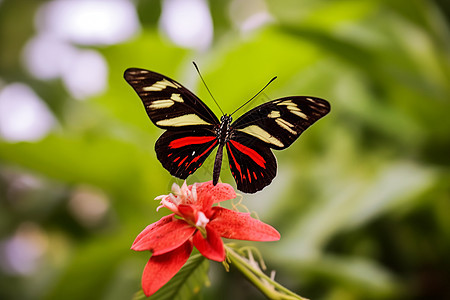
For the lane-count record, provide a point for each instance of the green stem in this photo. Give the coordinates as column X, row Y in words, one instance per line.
column 270, row 288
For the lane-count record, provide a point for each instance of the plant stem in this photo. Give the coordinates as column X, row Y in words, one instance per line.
column 269, row 287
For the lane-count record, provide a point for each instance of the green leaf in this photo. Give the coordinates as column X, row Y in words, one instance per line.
column 186, row 284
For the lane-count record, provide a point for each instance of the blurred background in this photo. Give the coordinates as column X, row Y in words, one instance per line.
column 362, row 199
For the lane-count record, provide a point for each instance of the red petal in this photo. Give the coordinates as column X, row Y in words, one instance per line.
column 223, row 192
column 165, row 238
column 187, row 212
column 241, row 226
column 212, row 246
column 152, row 227
column 161, row 268
column 208, row 194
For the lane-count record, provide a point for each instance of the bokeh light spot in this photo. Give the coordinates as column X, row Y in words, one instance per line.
column 45, row 56
column 187, row 23
column 89, row 205
column 248, row 15
column 23, row 115
column 86, row 75
column 22, row 252
column 89, row 22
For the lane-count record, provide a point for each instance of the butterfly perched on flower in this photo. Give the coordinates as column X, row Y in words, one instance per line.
column 193, row 131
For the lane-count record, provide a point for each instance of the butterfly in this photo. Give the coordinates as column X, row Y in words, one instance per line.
column 193, row 131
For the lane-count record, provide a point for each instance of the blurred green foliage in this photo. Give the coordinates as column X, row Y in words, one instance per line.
column 362, row 200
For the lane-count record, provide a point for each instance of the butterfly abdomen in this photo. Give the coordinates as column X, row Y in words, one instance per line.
column 222, row 134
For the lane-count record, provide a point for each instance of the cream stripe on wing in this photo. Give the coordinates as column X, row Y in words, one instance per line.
column 176, row 97
column 274, row 114
column 185, row 120
column 300, row 114
column 165, row 103
column 285, row 125
column 261, row 134
column 160, row 85
column 293, row 108
column 316, row 102
column 136, row 72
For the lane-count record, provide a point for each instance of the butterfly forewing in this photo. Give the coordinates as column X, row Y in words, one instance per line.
column 280, row 122
column 168, row 104
column 182, row 152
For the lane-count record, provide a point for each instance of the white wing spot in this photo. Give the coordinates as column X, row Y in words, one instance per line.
column 261, row 134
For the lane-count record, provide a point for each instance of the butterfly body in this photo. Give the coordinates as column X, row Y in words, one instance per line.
column 193, row 131
column 222, row 135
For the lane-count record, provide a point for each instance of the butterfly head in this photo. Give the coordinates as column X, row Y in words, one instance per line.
column 224, row 128
column 226, row 119
column 225, row 122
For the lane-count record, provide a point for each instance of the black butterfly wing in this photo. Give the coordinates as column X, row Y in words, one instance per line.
column 168, row 104
column 280, row 122
column 190, row 124
column 182, row 152
column 252, row 163
column 275, row 124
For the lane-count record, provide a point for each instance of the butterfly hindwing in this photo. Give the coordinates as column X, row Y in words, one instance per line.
column 168, row 104
column 252, row 163
column 182, row 152
column 280, row 122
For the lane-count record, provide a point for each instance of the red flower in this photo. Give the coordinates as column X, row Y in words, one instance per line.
column 194, row 222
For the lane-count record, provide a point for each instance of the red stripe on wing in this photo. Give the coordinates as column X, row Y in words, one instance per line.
column 235, row 161
column 204, row 152
column 182, row 161
column 251, row 153
column 189, row 140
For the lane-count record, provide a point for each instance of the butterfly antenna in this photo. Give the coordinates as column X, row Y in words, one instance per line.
column 201, row 77
column 254, row 96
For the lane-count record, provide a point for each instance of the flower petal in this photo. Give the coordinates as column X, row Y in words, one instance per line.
column 187, row 212
column 202, row 220
column 170, row 202
column 223, row 192
column 241, row 226
column 208, row 194
column 161, row 268
column 165, row 238
column 153, row 226
column 211, row 247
